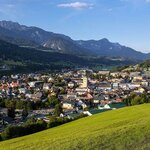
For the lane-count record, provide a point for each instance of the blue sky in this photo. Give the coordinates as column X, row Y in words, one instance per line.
column 123, row 21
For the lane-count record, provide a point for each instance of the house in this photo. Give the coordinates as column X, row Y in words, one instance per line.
column 71, row 84
column 119, row 100
column 94, row 111
column 140, row 90
column 145, row 83
column 28, row 95
column 38, row 84
column 22, row 90
column 81, row 104
column 3, row 111
column 7, row 120
column 84, row 83
column 104, row 86
column 71, row 96
column 14, row 84
column 68, row 105
column 106, row 106
column 78, row 81
column 137, row 78
column 133, row 85
column 82, row 91
column 115, row 85
column 37, row 96
column 123, row 86
column 146, row 74
column 124, row 74
column 51, row 79
column 46, row 86
column 115, row 74
column 89, row 96
column 104, row 72
column 15, row 76
column 135, row 74
column 98, row 99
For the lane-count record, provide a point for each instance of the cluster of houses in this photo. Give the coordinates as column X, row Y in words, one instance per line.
column 80, row 91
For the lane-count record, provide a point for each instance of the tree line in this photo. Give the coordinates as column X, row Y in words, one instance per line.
column 33, row 125
column 134, row 99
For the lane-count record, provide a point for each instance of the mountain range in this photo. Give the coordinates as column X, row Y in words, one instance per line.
column 16, row 59
column 35, row 37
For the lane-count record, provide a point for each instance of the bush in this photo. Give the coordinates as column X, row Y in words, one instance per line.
column 0, row 138
column 133, row 99
column 58, row 109
column 80, row 116
column 28, row 128
column 137, row 100
column 33, row 126
column 12, row 132
column 54, row 121
column 53, row 100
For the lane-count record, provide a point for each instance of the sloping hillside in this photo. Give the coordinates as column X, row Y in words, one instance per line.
column 127, row 128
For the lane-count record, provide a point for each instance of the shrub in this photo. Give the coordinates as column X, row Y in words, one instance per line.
column 28, row 128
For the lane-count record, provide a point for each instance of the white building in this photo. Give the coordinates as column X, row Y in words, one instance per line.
column 85, row 82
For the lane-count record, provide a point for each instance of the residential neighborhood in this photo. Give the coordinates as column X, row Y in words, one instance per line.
column 80, row 91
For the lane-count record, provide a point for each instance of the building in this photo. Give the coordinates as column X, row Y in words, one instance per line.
column 85, row 82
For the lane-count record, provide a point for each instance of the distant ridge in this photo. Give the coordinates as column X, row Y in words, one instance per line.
column 35, row 37
column 107, row 48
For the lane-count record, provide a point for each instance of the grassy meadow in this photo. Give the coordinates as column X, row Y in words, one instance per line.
column 123, row 129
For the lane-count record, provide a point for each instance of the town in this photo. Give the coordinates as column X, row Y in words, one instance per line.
column 69, row 93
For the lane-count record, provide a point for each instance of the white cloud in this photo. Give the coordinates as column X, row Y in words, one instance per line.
column 6, row 9
column 136, row 1
column 147, row 1
column 76, row 5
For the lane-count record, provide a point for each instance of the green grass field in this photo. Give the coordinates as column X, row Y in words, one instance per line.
column 123, row 129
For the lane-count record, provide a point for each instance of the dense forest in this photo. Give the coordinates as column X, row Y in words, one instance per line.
column 30, row 59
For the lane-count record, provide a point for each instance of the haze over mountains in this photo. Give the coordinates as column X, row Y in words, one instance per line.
column 22, row 35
